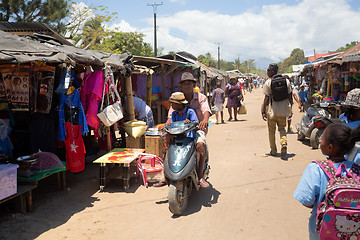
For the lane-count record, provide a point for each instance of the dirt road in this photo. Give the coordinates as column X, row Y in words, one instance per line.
column 250, row 196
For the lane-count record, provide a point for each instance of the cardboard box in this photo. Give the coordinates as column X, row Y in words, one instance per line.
column 8, row 180
column 135, row 142
column 152, row 146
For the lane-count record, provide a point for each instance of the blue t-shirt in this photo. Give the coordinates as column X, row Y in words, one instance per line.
column 187, row 113
column 302, row 95
column 311, row 191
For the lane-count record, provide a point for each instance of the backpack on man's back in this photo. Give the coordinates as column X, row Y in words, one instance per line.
column 279, row 89
column 338, row 216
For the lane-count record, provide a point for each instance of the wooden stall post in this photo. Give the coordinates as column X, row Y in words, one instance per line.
column 329, row 81
column 148, row 89
column 129, row 97
column 162, row 90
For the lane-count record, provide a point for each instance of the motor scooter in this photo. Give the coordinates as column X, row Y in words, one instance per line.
column 314, row 121
column 180, row 166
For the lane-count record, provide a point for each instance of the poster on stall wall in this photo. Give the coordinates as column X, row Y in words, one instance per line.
column 20, row 86
column 44, row 76
column 2, row 90
column 6, row 74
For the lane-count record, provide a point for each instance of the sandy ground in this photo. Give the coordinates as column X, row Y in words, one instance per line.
column 250, row 195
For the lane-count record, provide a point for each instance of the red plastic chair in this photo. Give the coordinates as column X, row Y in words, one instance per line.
column 149, row 166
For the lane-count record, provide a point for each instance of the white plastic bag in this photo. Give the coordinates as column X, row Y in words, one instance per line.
column 135, row 128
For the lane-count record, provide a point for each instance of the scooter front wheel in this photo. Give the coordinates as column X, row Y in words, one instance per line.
column 178, row 197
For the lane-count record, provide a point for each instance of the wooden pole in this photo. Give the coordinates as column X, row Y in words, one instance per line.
column 163, row 81
column 108, row 139
column 129, row 98
column 148, row 89
column 329, row 82
column 162, row 90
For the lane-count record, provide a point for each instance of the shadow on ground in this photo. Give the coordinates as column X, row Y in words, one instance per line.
column 76, row 196
column 201, row 198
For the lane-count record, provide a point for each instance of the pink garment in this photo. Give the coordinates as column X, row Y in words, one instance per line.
column 91, row 95
column 200, row 105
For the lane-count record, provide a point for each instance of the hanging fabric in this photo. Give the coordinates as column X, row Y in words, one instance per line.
column 91, row 93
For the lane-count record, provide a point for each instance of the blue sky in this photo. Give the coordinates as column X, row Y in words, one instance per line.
column 245, row 28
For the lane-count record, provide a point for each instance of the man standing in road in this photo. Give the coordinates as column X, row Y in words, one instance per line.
column 277, row 107
column 199, row 103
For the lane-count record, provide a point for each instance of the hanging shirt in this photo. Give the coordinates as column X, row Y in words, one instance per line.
column 75, row 148
column 72, row 100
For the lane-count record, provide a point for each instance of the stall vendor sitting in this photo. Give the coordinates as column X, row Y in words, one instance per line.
column 143, row 112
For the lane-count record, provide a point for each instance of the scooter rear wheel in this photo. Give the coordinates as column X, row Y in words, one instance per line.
column 178, row 197
column 300, row 136
column 315, row 138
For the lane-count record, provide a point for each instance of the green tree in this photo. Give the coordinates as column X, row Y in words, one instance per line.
column 51, row 12
column 207, row 60
column 86, row 26
column 92, row 34
column 347, row 46
column 248, row 66
column 226, row 66
column 296, row 57
column 120, row 42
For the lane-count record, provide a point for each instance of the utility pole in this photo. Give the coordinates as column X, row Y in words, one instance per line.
column 218, row 43
column 155, row 5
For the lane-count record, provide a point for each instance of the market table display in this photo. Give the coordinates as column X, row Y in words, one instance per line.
column 122, row 157
column 23, row 198
column 38, row 176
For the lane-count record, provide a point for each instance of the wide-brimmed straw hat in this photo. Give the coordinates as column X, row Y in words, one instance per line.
column 352, row 99
column 178, row 97
column 187, row 76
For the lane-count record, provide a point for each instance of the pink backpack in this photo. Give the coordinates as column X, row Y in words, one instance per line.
column 338, row 216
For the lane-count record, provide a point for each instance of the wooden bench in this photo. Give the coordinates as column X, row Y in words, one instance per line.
column 23, row 198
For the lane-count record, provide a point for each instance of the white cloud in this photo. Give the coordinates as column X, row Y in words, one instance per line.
column 272, row 32
column 123, row 26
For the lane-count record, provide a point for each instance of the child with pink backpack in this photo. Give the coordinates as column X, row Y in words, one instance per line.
column 332, row 187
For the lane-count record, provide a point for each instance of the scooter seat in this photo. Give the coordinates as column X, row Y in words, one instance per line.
column 311, row 112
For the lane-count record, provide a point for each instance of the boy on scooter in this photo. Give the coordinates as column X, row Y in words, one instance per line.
column 181, row 113
column 199, row 103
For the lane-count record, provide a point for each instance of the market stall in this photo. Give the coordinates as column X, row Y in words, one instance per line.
column 50, row 97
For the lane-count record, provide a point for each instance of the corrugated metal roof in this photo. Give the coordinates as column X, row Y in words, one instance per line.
column 26, row 28
column 338, row 59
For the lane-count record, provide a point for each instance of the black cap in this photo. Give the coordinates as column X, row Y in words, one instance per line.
column 273, row 66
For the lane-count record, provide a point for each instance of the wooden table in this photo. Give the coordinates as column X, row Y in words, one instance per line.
column 123, row 158
column 23, row 198
column 60, row 177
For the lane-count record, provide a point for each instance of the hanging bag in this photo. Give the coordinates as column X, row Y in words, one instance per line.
column 112, row 113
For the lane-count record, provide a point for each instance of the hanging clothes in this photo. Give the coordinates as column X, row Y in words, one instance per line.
column 72, row 100
column 75, row 148
column 6, row 146
column 91, row 94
